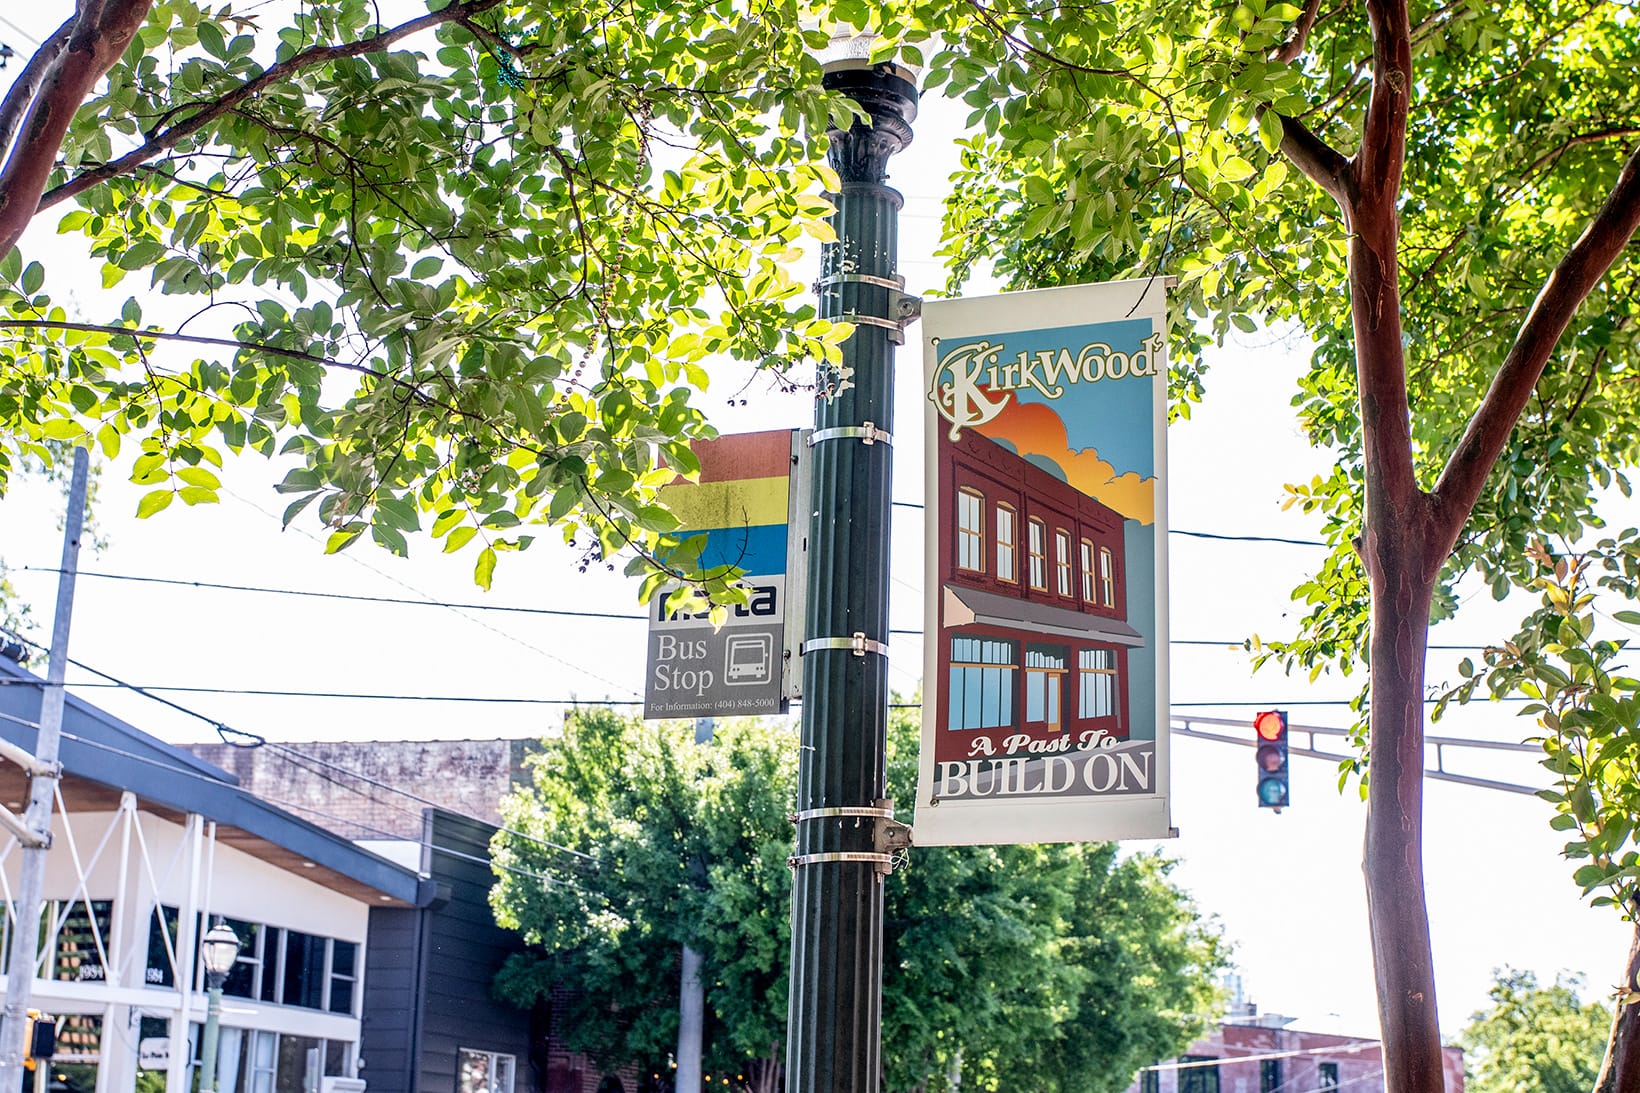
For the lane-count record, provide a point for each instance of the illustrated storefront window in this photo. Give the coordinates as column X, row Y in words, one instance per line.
column 1096, row 687
column 1062, row 560
column 970, row 530
column 1039, row 555
column 1007, row 543
column 1044, row 686
column 982, row 683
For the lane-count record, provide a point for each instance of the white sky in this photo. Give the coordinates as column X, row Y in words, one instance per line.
column 1286, row 888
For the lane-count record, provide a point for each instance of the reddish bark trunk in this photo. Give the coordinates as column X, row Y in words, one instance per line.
column 100, row 35
column 1620, row 1072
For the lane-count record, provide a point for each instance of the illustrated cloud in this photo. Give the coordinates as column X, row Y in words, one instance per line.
column 1034, row 429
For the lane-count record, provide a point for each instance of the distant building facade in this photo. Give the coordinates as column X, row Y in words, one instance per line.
column 151, row 846
column 1265, row 1057
column 431, row 1024
column 377, row 797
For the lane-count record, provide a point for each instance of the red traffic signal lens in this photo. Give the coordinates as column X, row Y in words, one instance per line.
column 1271, row 725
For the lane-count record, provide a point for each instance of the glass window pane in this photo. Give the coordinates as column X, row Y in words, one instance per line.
column 241, row 981
column 81, row 939
column 304, row 969
column 162, row 941
column 301, row 1063
column 473, row 1072
column 339, row 1058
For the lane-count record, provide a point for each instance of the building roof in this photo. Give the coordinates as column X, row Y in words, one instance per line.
column 103, row 756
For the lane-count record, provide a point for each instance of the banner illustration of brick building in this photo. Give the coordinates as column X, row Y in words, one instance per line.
column 1045, row 683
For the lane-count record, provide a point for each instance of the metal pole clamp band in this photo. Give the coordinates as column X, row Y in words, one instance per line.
column 894, row 282
column 859, row 645
column 871, row 320
column 884, row 862
column 843, row 810
column 867, row 432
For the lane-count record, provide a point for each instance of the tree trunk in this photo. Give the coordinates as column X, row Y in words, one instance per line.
column 1620, row 1071
column 767, row 1075
column 1393, row 857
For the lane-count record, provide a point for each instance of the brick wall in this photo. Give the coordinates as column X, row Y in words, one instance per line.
column 369, row 789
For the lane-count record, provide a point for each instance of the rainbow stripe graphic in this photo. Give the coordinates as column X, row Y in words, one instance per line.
column 740, row 501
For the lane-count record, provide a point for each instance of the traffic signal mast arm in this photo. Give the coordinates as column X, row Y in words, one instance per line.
column 1186, row 727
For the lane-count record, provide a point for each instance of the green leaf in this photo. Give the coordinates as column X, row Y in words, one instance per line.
column 153, row 501
column 484, row 568
column 343, row 537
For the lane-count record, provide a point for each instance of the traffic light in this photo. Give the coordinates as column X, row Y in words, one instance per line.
column 39, row 1038
column 1270, row 746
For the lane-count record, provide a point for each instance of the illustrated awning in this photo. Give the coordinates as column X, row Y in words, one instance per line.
column 968, row 607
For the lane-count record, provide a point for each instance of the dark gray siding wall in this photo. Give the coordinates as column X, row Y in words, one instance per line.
column 392, row 999
column 428, row 973
column 465, row 948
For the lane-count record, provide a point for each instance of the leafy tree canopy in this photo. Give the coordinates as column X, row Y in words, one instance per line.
column 1534, row 1039
column 466, row 268
column 1063, row 968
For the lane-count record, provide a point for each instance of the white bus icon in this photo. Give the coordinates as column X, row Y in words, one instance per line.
column 747, row 659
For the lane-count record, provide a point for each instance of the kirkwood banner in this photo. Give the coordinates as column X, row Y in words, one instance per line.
column 1045, row 696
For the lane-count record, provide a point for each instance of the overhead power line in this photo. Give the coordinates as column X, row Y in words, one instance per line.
column 352, row 597
column 241, row 738
column 153, row 690
column 620, row 616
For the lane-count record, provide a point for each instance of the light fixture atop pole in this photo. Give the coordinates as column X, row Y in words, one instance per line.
column 217, row 952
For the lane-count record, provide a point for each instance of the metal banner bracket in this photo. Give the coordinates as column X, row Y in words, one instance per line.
column 867, row 432
column 858, row 644
column 891, row 835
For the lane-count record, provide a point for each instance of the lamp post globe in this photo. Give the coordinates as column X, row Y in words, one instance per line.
column 217, row 952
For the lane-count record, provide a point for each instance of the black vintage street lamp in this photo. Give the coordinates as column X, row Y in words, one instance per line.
column 843, row 816
column 217, row 952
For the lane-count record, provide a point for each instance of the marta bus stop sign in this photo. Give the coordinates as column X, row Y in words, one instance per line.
column 744, row 504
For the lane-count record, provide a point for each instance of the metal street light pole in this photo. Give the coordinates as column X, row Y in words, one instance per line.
column 217, row 953
column 36, row 840
column 834, row 1027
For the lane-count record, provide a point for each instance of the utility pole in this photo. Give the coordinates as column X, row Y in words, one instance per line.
column 843, row 817
column 44, row 771
column 691, row 994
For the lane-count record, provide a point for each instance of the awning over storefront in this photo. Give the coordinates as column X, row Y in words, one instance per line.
column 970, row 607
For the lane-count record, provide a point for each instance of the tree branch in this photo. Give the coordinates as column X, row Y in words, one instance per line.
column 1293, row 48
column 100, row 33
column 1320, row 161
column 164, row 141
column 137, row 335
column 16, row 103
column 1563, row 293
